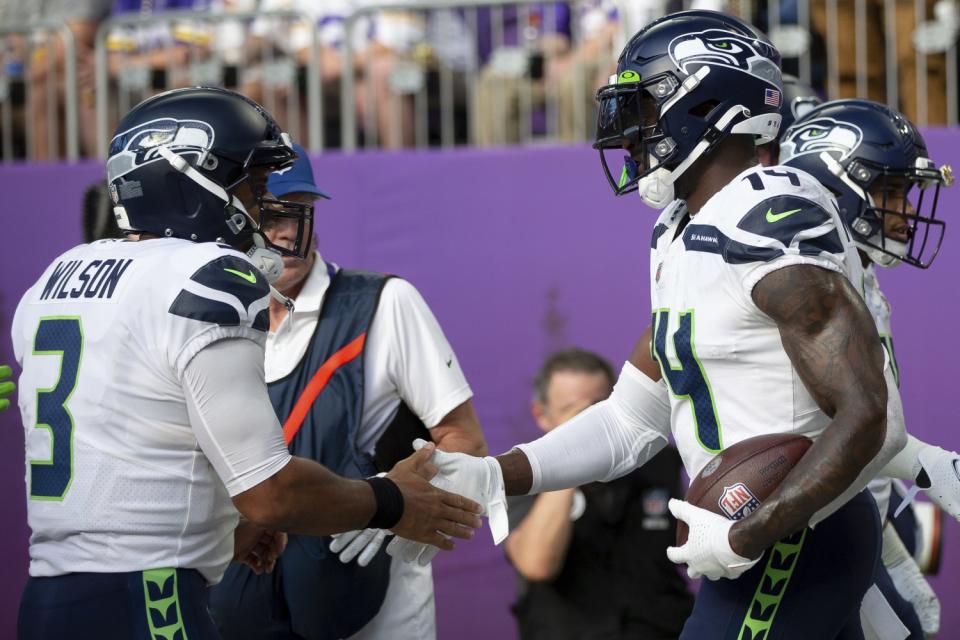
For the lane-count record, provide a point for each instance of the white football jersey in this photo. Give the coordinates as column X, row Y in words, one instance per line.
column 880, row 310
column 722, row 358
column 115, row 478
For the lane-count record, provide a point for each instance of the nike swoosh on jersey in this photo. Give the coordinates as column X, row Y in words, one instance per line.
column 775, row 217
column 251, row 277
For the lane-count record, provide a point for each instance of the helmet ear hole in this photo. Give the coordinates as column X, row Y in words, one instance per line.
column 703, row 109
column 191, row 198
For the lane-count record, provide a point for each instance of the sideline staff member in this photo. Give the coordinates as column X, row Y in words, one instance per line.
column 592, row 560
column 356, row 371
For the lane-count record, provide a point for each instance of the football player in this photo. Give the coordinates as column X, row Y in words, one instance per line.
column 757, row 330
column 876, row 163
column 924, row 614
column 146, row 416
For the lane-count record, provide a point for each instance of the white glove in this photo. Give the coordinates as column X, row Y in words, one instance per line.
column 707, row 551
column 410, row 551
column 942, row 481
column 909, row 582
column 362, row 544
column 943, row 469
column 915, row 589
column 479, row 479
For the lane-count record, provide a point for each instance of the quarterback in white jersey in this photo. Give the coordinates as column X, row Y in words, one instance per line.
column 116, row 477
column 758, row 330
column 147, row 421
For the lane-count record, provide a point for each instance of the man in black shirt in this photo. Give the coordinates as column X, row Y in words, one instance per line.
column 592, row 560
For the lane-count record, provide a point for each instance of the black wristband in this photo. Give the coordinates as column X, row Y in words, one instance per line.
column 389, row 503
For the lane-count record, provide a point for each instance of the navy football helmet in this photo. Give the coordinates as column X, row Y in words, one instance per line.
column 876, row 163
column 683, row 84
column 178, row 159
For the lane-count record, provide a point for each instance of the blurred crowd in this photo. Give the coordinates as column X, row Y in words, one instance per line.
column 484, row 75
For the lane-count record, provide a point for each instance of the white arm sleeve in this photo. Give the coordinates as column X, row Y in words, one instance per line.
column 231, row 414
column 894, row 440
column 606, row 441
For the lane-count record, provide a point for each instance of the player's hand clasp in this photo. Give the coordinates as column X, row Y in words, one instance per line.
column 479, row 479
column 431, row 515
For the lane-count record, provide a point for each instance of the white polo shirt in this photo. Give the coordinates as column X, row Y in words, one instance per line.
column 406, row 357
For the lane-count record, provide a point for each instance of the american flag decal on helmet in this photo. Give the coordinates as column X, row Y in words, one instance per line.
column 771, row 97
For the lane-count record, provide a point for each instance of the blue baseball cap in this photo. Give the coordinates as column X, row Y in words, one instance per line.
column 298, row 178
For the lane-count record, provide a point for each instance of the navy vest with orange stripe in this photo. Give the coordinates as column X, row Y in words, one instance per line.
column 320, row 404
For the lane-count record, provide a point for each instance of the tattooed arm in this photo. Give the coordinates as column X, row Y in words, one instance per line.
column 832, row 342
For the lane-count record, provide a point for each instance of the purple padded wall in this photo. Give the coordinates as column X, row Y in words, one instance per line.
column 518, row 252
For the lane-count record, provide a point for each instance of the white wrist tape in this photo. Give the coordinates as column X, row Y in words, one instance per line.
column 906, row 465
column 606, row 441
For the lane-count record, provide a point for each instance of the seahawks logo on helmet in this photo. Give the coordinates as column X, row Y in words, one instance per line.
column 822, row 134
column 726, row 48
column 800, row 107
column 139, row 146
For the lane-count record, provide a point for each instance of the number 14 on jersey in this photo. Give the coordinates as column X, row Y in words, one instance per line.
column 688, row 379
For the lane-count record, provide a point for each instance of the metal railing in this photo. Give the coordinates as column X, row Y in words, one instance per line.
column 530, row 97
column 430, row 100
column 929, row 29
column 168, row 19
column 42, row 34
column 847, row 71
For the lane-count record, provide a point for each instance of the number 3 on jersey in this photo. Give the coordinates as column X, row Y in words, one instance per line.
column 689, row 380
column 63, row 337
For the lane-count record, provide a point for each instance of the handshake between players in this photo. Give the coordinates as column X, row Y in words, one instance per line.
column 403, row 501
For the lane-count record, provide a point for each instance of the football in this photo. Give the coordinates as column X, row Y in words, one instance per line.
column 739, row 479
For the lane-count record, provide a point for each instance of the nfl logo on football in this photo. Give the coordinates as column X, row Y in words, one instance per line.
column 738, row 501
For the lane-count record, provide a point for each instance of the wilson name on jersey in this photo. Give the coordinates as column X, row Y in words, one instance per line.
column 115, row 478
column 721, row 357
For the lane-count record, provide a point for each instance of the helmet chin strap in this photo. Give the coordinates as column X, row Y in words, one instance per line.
column 656, row 188
column 879, row 257
column 268, row 261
